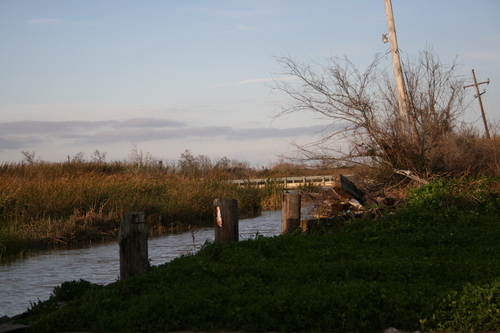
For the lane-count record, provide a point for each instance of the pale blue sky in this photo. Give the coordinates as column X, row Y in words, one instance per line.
column 76, row 76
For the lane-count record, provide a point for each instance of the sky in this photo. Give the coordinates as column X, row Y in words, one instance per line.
column 165, row 76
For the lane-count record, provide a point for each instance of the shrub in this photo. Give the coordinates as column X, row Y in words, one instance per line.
column 474, row 308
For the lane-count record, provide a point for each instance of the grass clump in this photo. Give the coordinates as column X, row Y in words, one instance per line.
column 432, row 265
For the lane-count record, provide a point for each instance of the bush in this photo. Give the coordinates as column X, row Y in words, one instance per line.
column 474, row 308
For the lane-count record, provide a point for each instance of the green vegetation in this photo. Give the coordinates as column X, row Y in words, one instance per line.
column 432, row 265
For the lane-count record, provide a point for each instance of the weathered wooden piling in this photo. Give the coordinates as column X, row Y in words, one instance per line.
column 133, row 245
column 290, row 212
column 226, row 220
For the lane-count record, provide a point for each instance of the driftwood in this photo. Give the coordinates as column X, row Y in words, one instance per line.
column 409, row 174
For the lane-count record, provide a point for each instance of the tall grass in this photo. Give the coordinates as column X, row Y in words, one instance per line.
column 49, row 204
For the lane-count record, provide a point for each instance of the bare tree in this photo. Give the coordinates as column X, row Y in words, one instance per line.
column 99, row 156
column 188, row 164
column 29, row 156
column 362, row 109
column 77, row 158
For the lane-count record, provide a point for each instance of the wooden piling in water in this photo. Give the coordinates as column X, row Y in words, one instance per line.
column 226, row 220
column 290, row 212
column 133, row 245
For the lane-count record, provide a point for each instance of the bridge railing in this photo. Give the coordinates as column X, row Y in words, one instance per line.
column 288, row 181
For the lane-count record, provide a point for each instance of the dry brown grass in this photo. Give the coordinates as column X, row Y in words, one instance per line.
column 466, row 154
column 65, row 203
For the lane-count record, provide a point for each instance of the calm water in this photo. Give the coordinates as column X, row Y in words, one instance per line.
column 34, row 278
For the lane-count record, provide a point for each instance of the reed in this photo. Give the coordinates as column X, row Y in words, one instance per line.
column 59, row 204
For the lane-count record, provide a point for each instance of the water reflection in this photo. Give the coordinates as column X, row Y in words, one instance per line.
column 35, row 277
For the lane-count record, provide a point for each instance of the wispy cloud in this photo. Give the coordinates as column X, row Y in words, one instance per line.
column 245, row 27
column 233, row 14
column 248, row 18
column 150, row 123
column 265, row 80
column 253, row 81
column 46, row 21
column 490, row 56
column 57, row 21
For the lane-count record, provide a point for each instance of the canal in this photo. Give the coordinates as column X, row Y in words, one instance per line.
column 28, row 280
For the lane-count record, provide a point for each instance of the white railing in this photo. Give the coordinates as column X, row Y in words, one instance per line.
column 289, row 181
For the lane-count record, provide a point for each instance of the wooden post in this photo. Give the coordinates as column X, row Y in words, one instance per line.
column 478, row 95
column 290, row 212
column 226, row 220
column 133, row 245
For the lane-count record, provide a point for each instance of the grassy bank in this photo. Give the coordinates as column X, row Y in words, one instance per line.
column 59, row 204
column 432, row 265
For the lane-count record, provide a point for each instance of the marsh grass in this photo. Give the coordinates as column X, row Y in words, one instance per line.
column 58, row 204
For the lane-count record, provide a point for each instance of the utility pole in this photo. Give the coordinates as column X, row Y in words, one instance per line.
column 407, row 119
column 478, row 95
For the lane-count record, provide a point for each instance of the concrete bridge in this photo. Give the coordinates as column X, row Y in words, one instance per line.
column 291, row 182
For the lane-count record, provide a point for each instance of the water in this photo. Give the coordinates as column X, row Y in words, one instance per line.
column 28, row 280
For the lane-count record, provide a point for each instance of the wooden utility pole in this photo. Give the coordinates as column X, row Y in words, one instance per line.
column 478, row 95
column 407, row 119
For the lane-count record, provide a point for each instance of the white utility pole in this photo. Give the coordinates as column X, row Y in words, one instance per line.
column 407, row 119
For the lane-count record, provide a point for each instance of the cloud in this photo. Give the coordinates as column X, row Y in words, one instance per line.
column 54, row 127
column 150, row 122
column 21, row 134
column 7, row 143
column 265, row 133
column 250, row 81
column 244, row 27
column 265, row 80
column 44, row 127
column 46, row 21
column 236, row 14
column 17, row 142
column 56, row 21
column 489, row 56
column 253, row 81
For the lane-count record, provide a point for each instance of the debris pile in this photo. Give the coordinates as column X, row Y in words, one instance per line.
column 333, row 206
